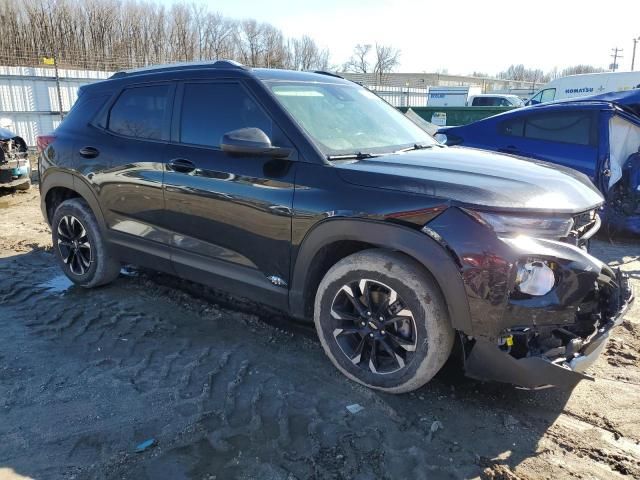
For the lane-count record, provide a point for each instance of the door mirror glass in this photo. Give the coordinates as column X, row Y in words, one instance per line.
column 250, row 141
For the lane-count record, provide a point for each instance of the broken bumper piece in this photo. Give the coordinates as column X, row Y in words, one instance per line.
column 488, row 361
column 14, row 172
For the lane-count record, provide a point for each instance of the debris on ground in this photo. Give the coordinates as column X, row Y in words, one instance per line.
column 141, row 447
column 435, row 426
column 355, row 408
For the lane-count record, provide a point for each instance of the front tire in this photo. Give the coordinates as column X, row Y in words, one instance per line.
column 382, row 321
column 82, row 253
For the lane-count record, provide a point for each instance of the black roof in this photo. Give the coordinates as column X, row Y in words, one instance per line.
column 230, row 65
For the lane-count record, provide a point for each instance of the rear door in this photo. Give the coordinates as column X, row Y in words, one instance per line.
column 122, row 156
column 230, row 216
column 566, row 137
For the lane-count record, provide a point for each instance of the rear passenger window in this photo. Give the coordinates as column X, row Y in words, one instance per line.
column 209, row 110
column 567, row 127
column 579, row 128
column 141, row 112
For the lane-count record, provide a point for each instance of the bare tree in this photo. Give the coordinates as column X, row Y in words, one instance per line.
column 387, row 59
column 521, row 73
column 359, row 61
column 307, row 55
column 116, row 34
column 578, row 69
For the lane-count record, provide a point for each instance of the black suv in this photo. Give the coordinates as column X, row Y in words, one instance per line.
column 308, row 193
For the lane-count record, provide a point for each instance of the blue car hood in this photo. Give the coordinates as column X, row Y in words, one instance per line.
column 477, row 177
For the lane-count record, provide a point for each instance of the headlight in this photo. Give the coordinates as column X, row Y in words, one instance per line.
column 513, row 225
column 535, row 278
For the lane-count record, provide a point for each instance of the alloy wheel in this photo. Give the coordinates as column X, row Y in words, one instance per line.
column 373, row 326
column 73, row 245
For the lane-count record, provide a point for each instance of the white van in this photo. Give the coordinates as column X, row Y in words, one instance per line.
column 586, row 85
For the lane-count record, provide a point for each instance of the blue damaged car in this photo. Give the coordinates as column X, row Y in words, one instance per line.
column 598, row 136
column 15, row 168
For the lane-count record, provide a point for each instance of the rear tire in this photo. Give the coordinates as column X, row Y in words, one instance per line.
column 79, row 247
column 382, row 321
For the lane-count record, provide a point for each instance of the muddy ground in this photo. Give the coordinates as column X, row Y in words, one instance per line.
column 86, row 376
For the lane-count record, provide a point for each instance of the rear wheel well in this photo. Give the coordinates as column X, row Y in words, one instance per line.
column 55, row 197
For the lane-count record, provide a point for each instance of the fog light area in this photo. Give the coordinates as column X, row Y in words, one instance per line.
column 535, row 278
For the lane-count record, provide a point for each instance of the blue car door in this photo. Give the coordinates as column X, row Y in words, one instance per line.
column 565, row 137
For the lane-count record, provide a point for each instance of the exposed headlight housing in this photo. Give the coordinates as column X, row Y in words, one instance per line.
column 535, row 278
column 505, row 224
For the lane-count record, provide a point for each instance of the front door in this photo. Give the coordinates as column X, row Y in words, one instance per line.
column 230, row 215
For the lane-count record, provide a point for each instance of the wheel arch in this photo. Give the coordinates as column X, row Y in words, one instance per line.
column 352, row 235
column 60, row 186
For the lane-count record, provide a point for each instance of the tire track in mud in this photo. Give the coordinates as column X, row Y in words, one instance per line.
column 221, row 391
column 212, row 374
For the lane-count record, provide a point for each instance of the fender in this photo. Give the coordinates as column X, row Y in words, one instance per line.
column 417, row 245
column 60, row 178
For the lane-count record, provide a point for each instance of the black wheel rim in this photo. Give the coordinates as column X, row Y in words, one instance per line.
column 373, row 326
column 73, row 245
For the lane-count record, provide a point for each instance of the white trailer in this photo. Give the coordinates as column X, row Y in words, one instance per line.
column 451, row 96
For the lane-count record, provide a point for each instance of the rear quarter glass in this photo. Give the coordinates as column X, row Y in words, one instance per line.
column 83, row 111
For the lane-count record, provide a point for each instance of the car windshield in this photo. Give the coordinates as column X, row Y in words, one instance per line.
column 348, row 119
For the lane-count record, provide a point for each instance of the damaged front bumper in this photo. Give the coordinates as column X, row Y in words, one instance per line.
column 557, row 366
column 537, row 339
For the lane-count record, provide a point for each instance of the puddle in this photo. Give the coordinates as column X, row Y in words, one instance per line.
column 128, row 271
column 57, row 284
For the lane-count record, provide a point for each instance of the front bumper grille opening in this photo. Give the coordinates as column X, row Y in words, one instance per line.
column 585, row 226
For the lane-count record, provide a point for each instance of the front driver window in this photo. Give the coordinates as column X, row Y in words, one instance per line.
column 209, row 110
column 548, row 95
column 536, row 99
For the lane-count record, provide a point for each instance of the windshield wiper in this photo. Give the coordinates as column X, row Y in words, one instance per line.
column 349, row 156
column 415, row 146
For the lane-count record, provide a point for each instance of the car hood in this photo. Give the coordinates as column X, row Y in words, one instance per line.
column 477, row 177
column 6, row 134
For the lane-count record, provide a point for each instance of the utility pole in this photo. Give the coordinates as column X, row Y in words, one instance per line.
column 616, row 55
column 633, row 55
column 55, row 66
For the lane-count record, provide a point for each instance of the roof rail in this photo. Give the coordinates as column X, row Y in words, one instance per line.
column 323, row 72
column 232, row 64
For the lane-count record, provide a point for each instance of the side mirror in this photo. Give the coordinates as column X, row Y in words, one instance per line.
column 251, row 141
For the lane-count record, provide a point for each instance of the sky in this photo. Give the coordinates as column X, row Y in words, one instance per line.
column 458, row 36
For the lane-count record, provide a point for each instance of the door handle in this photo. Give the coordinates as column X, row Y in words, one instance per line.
column 89, row 152
column 182, row 165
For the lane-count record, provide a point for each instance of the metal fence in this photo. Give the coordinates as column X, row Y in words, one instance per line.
column 30, row 97
column 401, row 96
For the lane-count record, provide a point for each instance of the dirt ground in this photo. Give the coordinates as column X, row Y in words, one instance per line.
column 86, row 376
